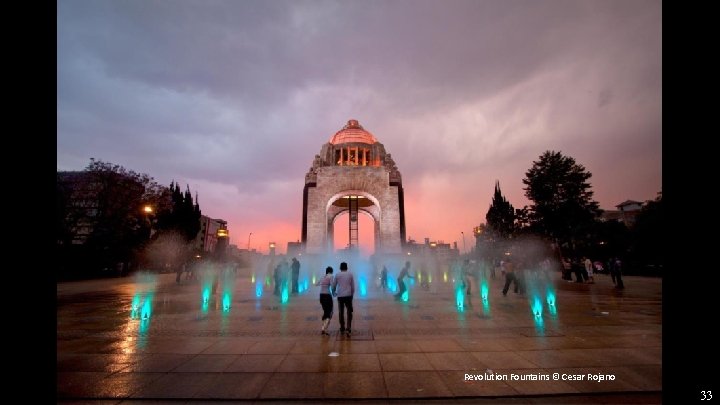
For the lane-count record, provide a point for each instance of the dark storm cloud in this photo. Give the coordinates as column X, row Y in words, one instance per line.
column 239, row 96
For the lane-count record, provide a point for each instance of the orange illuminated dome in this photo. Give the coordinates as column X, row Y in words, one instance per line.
column 353, row 132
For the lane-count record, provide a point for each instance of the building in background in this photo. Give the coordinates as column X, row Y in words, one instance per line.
column 206, row 239
column 294, row 249
column 626, row 213
column 433, row 249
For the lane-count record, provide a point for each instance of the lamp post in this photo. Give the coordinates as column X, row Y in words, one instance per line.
column 463, row 235
column 148, row 211
column 249, row 241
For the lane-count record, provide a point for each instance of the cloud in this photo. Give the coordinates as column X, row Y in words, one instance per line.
column 236, row 98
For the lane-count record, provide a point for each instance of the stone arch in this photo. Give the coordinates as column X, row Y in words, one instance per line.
column 333, row 212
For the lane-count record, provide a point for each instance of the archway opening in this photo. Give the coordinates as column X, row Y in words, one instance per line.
column 366, row 233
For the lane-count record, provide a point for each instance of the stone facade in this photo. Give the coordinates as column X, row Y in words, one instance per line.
column 353, row 163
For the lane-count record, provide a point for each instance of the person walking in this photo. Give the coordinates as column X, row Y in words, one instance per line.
column 401, row 284
column 383, row 278
column 326, row 301
column 589, row 270
column 617, row 270
column 509, row 270
column 295, row 274
column 343, row 287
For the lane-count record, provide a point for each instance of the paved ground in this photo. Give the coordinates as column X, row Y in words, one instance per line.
column 260, row 349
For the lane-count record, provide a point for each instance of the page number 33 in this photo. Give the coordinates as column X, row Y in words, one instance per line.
column 705, row 395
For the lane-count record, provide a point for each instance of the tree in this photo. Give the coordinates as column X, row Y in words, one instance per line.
column 501, row 214
column 562, row 207
column 99, row 214
column 183, row 215
column 522, row 220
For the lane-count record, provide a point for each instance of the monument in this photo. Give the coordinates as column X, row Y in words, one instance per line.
column 353, row 174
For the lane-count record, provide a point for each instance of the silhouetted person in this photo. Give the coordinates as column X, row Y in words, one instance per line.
column 566, row 269
column 466, row 273
column 277, row 277
column 509, row 270
column 617, row 269
column 589, row 270
column 344, row 288
column 326, row 301
column 295, row 266
column 577, row 268
column 383, row 278
column 401, row 284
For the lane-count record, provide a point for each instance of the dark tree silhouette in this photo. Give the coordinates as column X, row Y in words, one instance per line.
column 501, row 214
column 562, row 206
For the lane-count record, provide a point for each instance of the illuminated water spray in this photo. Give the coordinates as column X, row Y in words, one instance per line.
column 405, row 296
column 146, row 310
column 252, row 279
column 445, row 277
column 314, row 280
column 551, row 301
column 258, row 289
column 392, row 285
column 537, row 306
column 206, row 293
column 135, row 306
column 484, row 290
column 363, row 286
column 302, row 285
column 459, row 298
column 284, row 296
column 226, row 301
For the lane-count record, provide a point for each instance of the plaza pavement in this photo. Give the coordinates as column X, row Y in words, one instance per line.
column 259, row 349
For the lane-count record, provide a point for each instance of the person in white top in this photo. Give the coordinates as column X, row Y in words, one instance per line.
column 326, row 301
column 344, row 288
column 589, row 270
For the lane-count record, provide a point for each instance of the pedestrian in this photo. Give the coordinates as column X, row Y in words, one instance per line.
column 566, row 269
column 401, row 284
column 343, row 287
column 295, row 274
column 383, row 278
column 617, row 269
column 466, row 273
column 509, row 270
column 277, row 277
column 589, row 270
column 326, row 298
column 577, row 269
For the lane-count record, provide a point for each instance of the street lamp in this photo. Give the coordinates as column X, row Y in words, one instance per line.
column 148, row 210
column 463, row 235
column 249, row 241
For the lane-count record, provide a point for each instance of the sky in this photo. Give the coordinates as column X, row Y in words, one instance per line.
column 235, row 98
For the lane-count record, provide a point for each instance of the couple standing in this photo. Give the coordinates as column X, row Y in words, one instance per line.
column 343, row 287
